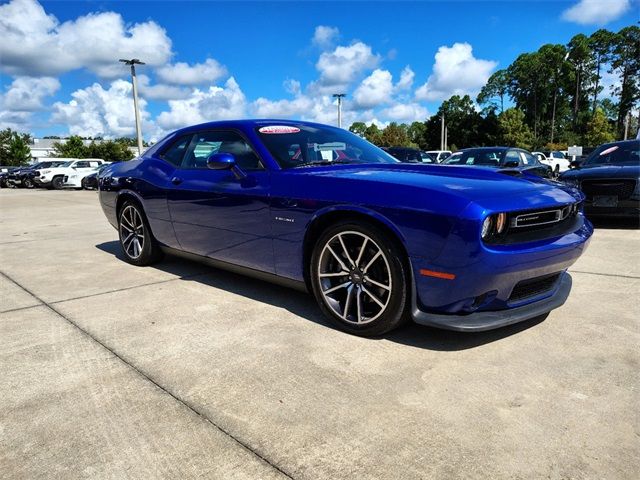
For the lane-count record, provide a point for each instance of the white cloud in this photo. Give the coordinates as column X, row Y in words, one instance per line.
column 374, row 90
column 96, row 111
column 216, row 103
column 198, row 74
column 325, row 36
column 27, row 94
column 406, row 79
column 596, row 12
column 37, row 44
column 340, row 67
column 405, row 113
column 455, row 72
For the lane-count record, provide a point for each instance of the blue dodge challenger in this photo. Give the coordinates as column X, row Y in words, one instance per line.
column 376, row 241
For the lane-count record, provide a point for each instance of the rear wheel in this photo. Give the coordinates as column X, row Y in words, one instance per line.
column 138, row 245
column 83, row 184
column 27, row 183
column 359, row 279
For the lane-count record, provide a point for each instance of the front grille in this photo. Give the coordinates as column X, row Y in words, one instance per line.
column 534, row 286
column 622, row 188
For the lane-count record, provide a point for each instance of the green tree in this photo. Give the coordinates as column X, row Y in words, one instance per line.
column 514, row 131
column 14, row 148
column 416, row 132
column 598, row 130
column 494, row 91
column 72, row 148
column 373, row 134
column 625, row 62
column 359, row 128
column 395, row 135
column 110, row 150
column 462, row 120
column 600, row 43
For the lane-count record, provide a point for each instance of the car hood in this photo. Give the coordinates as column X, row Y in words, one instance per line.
column 490, row 188
column 603, row 171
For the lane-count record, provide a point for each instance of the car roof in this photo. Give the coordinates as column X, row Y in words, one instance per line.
column 487, row 148
column 249, row 124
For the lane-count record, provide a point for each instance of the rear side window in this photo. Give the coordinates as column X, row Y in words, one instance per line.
column 175, row 153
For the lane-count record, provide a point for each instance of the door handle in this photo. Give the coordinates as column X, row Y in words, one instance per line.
column 176, row 180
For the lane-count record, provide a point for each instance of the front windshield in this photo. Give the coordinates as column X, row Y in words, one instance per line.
column 621, row 154
column 307, row 145
column 485, row 158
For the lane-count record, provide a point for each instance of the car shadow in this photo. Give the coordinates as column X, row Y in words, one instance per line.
column 615, row 223
column 303, row 305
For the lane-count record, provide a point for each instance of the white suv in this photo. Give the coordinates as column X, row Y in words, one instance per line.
column 439, row 155
column 54, row 177
column 556, row 160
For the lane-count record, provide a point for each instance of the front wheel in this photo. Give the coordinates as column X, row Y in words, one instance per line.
column 57, row 183
column 138, row 245
column 359, row 279
column 27, row 183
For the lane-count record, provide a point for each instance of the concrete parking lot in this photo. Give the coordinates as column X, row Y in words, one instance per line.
column 180, row 371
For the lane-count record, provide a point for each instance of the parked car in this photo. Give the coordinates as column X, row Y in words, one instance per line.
column 556, row 160
column 610, row 179
column 53, row 177
column 4, row 175
column 405, row 154
column 504, row 158
column 374, row 239
column 23, row 176
column 439, row 155
column 79, row 178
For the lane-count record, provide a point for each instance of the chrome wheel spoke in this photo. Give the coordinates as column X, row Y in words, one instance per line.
column 132, row 232
column 337, row 287
column 335, row 255
column 373, row 297
column 377, row 284
column 346, row 252
column 371, row 262
column 347, row 303
column 364, row 244
column 359, row 304
column 337, row 274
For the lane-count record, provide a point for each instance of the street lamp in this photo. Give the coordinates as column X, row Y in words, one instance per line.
column 339, row 96
column 133, row 62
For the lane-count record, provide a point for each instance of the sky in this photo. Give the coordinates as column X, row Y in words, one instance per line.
column 210, row 60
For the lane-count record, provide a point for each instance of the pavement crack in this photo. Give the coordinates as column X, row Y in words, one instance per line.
column 605, row 274
column 188, row 405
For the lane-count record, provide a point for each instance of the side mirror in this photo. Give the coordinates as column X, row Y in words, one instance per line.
column 221, row 161
column 511, row 164
column 225, row 161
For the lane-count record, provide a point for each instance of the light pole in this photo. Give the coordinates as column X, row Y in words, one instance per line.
column 133, row 62
column 442, row 134
column 339, row 96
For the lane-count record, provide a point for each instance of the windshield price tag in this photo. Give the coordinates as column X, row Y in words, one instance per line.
column 326, row 147
column 278, row 129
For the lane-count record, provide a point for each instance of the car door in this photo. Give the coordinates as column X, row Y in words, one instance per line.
column 531, row 165
column 219, row 213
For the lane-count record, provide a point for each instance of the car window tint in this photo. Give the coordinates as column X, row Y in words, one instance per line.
column 175, row 153
column 205, row 144
column 81, row 164
column 512, row 155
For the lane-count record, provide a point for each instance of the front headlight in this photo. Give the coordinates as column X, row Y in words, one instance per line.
column 493, row 225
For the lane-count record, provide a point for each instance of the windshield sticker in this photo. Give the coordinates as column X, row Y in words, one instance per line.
column 608, row 150
column 326, row 147
column 278, row 129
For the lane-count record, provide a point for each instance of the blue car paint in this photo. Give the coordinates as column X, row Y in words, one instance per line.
column 435, row 211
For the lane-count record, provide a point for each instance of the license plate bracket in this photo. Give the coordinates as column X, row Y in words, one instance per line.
column 605, row 201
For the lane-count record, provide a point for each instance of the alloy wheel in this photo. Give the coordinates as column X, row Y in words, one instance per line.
column 354, row 277
column 132, row 234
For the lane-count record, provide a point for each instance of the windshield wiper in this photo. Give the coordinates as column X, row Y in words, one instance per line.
column 323, row 162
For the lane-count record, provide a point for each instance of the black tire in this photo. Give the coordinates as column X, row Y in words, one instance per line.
column 83, row 184
column 556, row 171
column 28, row 183
column 57, row 183
column 132, row 220
column 368, row 317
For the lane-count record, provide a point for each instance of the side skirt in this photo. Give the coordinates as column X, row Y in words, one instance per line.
column 249, row 272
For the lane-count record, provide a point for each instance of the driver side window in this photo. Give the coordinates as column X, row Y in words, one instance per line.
column 205, row 144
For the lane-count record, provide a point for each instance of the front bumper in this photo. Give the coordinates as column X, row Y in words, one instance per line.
column 489, row 320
